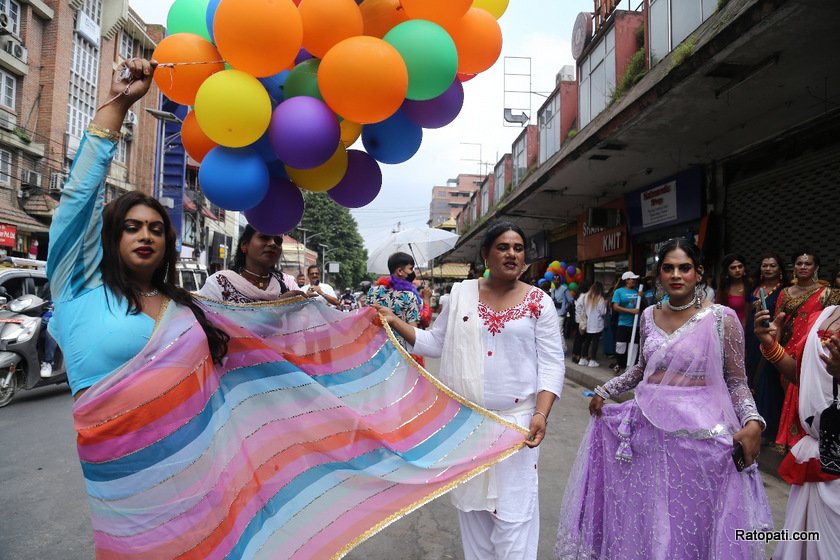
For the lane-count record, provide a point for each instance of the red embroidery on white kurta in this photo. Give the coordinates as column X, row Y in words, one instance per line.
column 495, row 320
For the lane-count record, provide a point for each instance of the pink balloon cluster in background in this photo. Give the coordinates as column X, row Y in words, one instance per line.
column 281, row 89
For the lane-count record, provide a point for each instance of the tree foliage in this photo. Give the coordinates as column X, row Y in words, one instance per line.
column 333, row 225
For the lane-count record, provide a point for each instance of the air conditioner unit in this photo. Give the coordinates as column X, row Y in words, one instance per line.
column 130, row 118
column 5, row 24
column 30, row 178
column 57, row 180
column 7, row 121
column 14, row 48
column 22, row 193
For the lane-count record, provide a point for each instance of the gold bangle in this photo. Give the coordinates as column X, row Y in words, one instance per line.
column 541, row 414
column 773, row 355
column 101, row 132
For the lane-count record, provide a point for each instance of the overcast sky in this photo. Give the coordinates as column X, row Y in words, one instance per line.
column 537, row 29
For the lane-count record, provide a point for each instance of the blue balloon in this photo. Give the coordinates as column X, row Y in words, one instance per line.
column 274, row 85
column 549, row 275
column 277, row 170
column 393, row 140
column 210, row 17
column 233, row 178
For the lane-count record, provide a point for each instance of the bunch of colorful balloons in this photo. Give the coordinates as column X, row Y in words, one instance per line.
column 280, row 89
column 559, row 272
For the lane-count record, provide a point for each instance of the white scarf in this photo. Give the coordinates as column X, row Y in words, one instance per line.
column 213, row 289
column 462, row 358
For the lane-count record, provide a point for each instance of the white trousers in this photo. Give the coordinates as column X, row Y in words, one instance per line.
column 486, row 537
column 814, row 506
column 562, row 319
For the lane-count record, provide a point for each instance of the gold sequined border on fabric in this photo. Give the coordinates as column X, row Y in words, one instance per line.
column 419, row 503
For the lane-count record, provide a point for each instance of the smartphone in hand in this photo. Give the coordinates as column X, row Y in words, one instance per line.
column 763, row 296
column 738, row 456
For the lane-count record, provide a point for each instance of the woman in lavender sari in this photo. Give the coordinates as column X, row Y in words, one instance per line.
column 655, row 476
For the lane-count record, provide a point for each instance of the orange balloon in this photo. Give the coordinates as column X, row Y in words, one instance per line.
column 350, row 132
column 181, row 82
column 380, row 16
column 193, row 138
column 326, row 22
column 443, row 12
column 478, row 39
column 260, row 37
column 363, row 79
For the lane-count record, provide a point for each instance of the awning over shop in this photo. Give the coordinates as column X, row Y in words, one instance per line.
column 40, row 204
column 189, row 205
column 449, row 271
column 11, row 214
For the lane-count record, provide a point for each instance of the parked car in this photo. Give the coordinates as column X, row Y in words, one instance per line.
column 190, row 275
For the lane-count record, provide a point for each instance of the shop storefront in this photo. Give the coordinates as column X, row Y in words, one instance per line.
column 602, row 244
column 672, row 207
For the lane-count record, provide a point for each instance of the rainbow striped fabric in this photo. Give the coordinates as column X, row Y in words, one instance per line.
column 315, row 433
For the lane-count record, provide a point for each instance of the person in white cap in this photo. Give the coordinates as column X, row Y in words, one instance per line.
column 624, row 302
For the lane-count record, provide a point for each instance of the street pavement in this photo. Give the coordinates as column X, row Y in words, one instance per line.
column 45, row 514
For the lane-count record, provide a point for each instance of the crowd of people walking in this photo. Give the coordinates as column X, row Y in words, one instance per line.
column 668, row 474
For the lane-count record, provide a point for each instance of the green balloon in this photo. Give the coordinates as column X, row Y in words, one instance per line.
column 429, row 55
column 188, row 16
column 573, row 286
column 303, row 80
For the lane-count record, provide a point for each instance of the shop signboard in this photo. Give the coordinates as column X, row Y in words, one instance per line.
column 7, row 235
column 672, row 201
column 594, row 242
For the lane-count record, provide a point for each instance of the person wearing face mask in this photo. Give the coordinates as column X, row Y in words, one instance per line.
column 397, row 292
column 254, row 275
column 317, row 289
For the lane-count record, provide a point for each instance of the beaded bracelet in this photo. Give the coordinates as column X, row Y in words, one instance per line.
column 601, row 392
column 101, row 132
column 775, row 354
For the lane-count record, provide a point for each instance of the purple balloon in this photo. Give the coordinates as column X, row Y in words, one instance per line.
column 302, row 55
column 437, row 112
column 361, row 182
column 304, row 132
column 280, row 211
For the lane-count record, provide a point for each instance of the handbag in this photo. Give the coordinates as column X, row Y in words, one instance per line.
column 830, row 436
column 583, row 317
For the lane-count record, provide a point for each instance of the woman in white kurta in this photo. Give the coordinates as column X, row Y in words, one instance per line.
column 500, row 347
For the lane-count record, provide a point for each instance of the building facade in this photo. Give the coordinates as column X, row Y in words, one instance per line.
column 448, row 201
column 54, row 58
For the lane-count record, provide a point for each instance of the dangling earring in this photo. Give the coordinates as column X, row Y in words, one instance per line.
column 699, row 295
column 816, row 274
column 660, row 294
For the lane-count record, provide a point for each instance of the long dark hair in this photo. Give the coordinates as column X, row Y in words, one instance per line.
column 725, row 282
column 115, row 274
column 239, row 259
column 783, row 280
column 495, row 230
column 691, row 250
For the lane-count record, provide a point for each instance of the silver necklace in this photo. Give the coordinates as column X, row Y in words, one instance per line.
column 673, row 307
column 255, row 275
column 151, row 293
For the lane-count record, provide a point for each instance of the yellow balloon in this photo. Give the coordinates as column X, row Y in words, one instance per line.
column 325, row 176
column 233, row 108
column 495, row 7
column 350, row 132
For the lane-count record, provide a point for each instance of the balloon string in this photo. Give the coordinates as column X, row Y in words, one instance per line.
column 170, row 65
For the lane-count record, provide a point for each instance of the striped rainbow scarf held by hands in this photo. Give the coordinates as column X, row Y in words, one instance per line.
column 315, row 433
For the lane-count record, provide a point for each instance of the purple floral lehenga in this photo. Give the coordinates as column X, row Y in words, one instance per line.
column 654, row 476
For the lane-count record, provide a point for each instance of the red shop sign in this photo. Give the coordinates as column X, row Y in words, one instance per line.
column 7, row 235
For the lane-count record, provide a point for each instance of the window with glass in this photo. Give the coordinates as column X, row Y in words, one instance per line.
column 485, row 197
column 671, row 21
column 501, row 183
column 5, row 167
column 12, row 11
column 8, row 90
column 83, row 75
column 126, row 46
column 549, row 120
column 597, row 78
column 520, row 158
column 121, row 155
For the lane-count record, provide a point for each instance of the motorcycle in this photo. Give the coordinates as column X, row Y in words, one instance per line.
column 21, row 346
